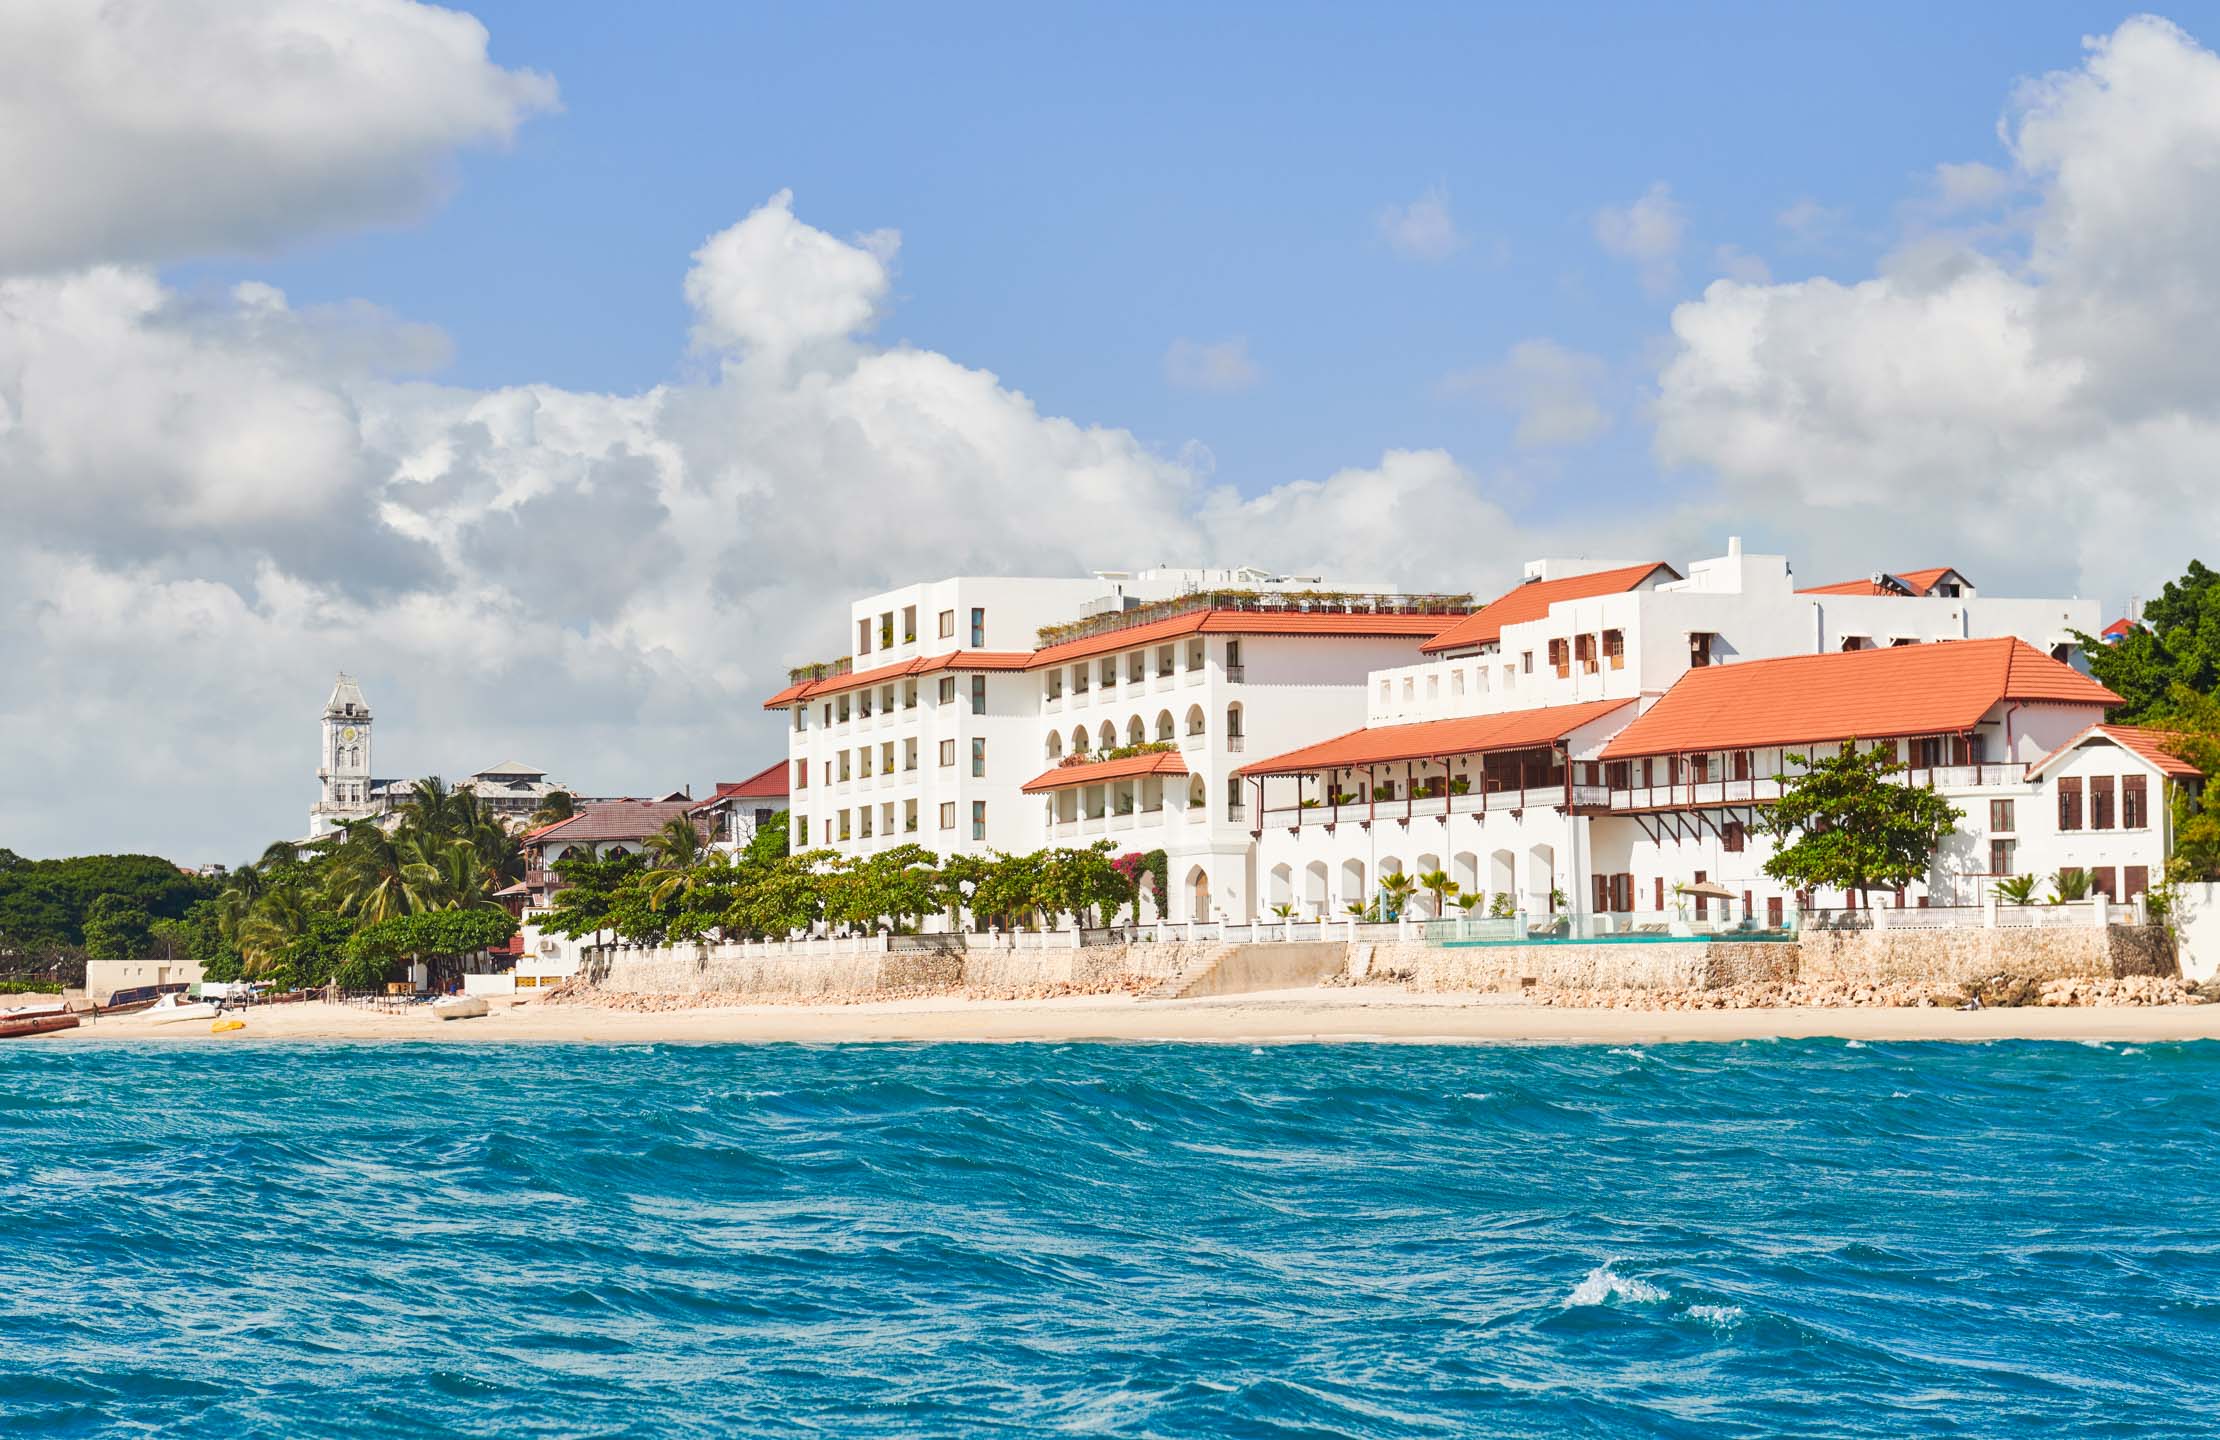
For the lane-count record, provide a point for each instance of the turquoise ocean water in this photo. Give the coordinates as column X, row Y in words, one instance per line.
column 1804, row 1238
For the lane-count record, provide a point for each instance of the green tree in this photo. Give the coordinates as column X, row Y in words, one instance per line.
column 1438, row 884
column 116, row 928
column 2069, row 887
column 677, row 845
column 557, row 805
column 771, row 839
column 1396, row 890
column 1845, row 823
column 2177, row 645
column 587, row 903
column 2015, row 889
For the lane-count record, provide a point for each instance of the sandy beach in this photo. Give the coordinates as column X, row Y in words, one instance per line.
column 1342, row 1014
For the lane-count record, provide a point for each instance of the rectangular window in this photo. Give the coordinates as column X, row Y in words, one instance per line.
column 1109, row 669
column 1194, row 654
column 1560, row 658
column 1614, row 649
column 909, row 694
column 1526, row 662
column 978, row 628
column 1409, row 692
column 1773, row 912
column 1703, row 902
column 1136, row 667
column 1456, row 682
column 909, row 817
column 844, row 825
column 801, row 830
column 1386, row 695
column 1660, row 892
column 909, row 628
column 909, row 753
column 886, row 630
column 863, row 821
column 2104, row 881
column 947, row 689
column 1233, row 660
column 840, row 708
column 801, row 717
column 863, row 637
column 947, row 814
column 978, row 819
column 886, row 812
column 1622, row 894
column 1055, row 684
column 978, row 694
column 886, row 757
column 2000, row 817
column 2001, row 857
column 947, row 752
column 2100, row 802
column 1233, row 794
column 1616, row 774
column 2135, row 802
column 1699, row 650
column 863, row 705
column 863, row 761
column 2069, row 803
column 844, row 765
column 978, row 757
column 886, row 699
column 947, row 624
column 1081, row 678
column 2138, row 879
column 1164, row 655
column 801, row 774
column 1731, row 837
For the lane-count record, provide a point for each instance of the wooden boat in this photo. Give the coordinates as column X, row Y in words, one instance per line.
column 460, row 1007
column 14, row 1026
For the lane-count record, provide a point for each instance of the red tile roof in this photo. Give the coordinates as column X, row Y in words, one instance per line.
column 1432, row 739
column 1063, row 777
column 1916, row 582
column 860, row 679
column 1531, row 601
column 2118, row 628
column 1938, row 689
column 1398, row 624
column 2154, row 746
column 610, row 820
column 769, row 783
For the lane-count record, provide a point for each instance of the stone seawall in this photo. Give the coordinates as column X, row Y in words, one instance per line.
column 1931, row 957
column 1879, row 957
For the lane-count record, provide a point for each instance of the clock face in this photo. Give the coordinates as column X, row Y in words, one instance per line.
column 349, row 733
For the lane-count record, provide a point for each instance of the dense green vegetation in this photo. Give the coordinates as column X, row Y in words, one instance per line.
column 53, row 907
column 675, row 892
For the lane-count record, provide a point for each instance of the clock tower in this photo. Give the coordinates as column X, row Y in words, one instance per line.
column 343, row 772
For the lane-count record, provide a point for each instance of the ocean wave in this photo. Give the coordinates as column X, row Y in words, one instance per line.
column 1603, row 1286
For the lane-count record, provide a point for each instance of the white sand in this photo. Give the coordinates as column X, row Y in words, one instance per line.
column 1382, row 1014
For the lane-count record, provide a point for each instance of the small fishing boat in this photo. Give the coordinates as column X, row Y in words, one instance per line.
column 460, row 1007
column 16, row 1024
column 174, row 1007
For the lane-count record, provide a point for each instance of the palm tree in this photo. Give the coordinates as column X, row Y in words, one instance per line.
column 674, row 847
column 1284, row 910
column 1396, row 890
column 559, row 805
column 1438, row 884
column 377, row 876
column 432, row 808
column 276, row 856
column 2015, row 889
column 460, row 879
column 2069, row 886
column 1470, row 903
column 274, row 922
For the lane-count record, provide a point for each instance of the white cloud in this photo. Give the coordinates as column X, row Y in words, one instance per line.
column 134, row 131
column 1423, row 229
column 2029, row 415
column 213, row 504
column 1736, row 263
column 1967, row 186
column 1550, row 388
column 1810, row 222
column 1647, row 233
column 1219, row 365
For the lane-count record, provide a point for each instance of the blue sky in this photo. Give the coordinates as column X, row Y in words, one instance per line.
column 1075, row 190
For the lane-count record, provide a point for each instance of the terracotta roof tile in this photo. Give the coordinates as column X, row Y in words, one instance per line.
column 862, row 679
column 1532, row 600
column 611, row 820
column 1063, row 777
column 2154, row 746
column 1429, row 739
column 1937, row 689
column 1916, row 582
column 1398, row 624
column 769, row 783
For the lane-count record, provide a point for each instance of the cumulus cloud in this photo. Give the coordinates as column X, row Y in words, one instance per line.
column 1550, row 388
column 2037, row 411
column 1423, row 229
column 212, row 503
column 132, row 131
column 1219, row 365
column 1648, row 234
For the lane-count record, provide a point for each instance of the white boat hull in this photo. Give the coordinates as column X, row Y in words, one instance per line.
column 461, row 1007
column 171, row 1015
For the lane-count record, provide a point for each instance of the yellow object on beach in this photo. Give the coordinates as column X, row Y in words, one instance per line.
column 220, row 1026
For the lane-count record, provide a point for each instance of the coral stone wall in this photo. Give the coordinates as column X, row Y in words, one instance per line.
column 1869, row 957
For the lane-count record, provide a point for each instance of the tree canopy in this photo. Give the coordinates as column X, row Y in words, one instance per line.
column 1844, row 823
column 2175, row 649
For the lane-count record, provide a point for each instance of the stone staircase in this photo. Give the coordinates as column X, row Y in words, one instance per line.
column 1245, row 968
column 1193, row 974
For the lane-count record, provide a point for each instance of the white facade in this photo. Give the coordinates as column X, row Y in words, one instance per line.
column 1734, row 607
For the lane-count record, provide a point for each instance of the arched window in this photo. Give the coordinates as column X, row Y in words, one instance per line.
column 1109, row 735
column 1135, row 732
column 1195, row 721
column 1197, row 796
column 1233, row 721
column 1055, row 747
column 1164, row 725
column 1079, row 740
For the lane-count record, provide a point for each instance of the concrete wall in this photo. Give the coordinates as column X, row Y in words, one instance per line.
column 1660, row 965
column 105, row 977
column 2198, row 924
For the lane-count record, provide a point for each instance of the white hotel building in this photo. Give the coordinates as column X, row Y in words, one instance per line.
column 1588, row 743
